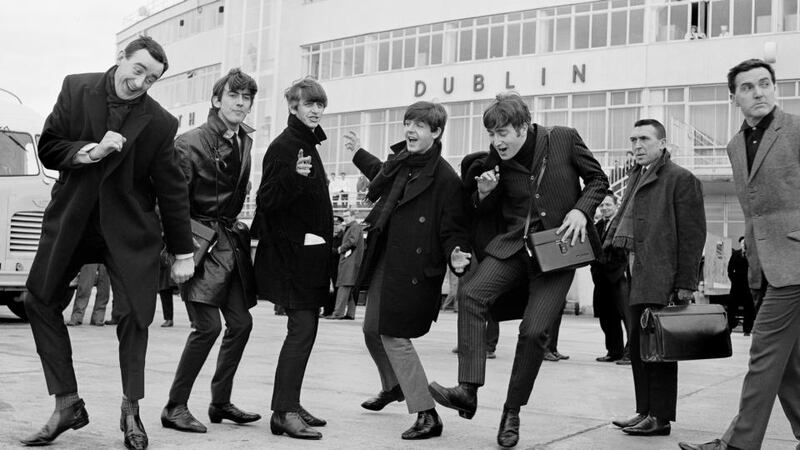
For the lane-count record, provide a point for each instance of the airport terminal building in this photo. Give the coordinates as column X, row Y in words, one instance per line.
column 596, row 66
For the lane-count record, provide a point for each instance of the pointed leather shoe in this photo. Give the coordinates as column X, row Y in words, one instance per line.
column 229, row 411
column 630, row 421
column 135, row 436
column 179, row 418
column 291, row 424
column 428, row 425
column 716, row 444
column 459, row 398
column 651, row 426
column 311, row 420
column 71, row 417
column 383, row 398
column 508, row 433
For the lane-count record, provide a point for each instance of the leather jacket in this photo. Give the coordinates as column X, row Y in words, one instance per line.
column 218, row 183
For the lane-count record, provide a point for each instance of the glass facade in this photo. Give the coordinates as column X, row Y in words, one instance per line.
column 198, row 20
column 186, row 88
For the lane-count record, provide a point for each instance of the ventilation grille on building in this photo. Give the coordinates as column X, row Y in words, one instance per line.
column 26, row 230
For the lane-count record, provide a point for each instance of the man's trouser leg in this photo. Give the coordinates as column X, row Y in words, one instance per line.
column 547, row 295
column 655, row 384
column 207, row 326
column 132, row 336
column 492, row 334
column 774, row 369
column 410, row 373
column 475, row 296
column 301, row 333
column 554, row 330
column 102, row 296
column 609, row 318
column 372, row 337
column 342, row 301
column 238, row 324
column 86, row 280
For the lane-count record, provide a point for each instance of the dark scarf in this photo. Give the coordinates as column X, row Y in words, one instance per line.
column 390, row 183
column 118, row 109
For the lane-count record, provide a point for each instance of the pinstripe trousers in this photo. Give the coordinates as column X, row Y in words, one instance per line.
column 546, row 299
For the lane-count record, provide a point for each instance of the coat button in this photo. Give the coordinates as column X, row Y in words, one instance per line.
column 239, row 225
column 419, row 250
column 533, row 178
column 536, row 196
column 542, row 213
column 414, row 281
column 422, row 219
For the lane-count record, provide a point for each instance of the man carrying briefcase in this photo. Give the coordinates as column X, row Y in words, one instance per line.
column 662, row 200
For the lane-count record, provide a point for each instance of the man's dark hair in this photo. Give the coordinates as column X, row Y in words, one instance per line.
column 236, row 80
column 661, row 132
column 305, row 89
column 154, row 48
column 744, row 66
column 741, row 238
column 431, row 114
column 507, row 108
column 610, row 193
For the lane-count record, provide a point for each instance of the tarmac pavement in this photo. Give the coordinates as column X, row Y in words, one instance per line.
column 571, row 407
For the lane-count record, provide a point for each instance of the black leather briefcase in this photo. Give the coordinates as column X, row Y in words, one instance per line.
column 684, row 332
column 204, row 239
column 552, row 254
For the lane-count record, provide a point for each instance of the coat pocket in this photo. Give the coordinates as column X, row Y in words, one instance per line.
column 311, row 265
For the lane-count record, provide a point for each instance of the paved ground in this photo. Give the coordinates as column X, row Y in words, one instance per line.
column 571, row 407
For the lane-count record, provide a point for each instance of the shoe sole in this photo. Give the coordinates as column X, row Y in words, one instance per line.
column 436, row 432
column 279, row 432
column 167, row 424
column 442, row 400
column 656, row 433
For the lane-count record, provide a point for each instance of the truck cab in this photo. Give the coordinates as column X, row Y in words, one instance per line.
column 24, row 193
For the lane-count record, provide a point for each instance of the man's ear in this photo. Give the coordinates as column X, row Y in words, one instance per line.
column 437, row 134
column 120, row 56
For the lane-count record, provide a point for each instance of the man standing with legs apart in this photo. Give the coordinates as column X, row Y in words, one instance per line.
column 112, row 145
column 215, row 158
column 506, row 192
column 765, row 156
column 416, row 231
column 294, row 223
column 661, row 226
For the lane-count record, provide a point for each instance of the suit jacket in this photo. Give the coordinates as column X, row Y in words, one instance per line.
column 611, row 262
column 770, row 198
column 669, row 231
column 123, row 186
column 349, row 264
column 568, row 162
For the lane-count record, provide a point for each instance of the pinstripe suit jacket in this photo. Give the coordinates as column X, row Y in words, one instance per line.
column 568, row 162
column 770, row 198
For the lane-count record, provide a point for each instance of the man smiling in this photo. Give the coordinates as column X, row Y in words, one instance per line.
column 112, row 146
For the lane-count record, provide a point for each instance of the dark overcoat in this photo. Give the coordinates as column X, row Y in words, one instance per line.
column 669, row 231
column 124, row 186
column 351, row 253
column 218, row 181
column 425, row 226
column 288, row 207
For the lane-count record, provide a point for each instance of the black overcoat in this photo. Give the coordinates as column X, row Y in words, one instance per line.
column 425, row 226
column 124, row 186
column 288, row 207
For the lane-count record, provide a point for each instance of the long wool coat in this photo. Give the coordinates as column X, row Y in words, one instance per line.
column 426, row 225
column 669, row 231
column 124, row 186
column 288, row 207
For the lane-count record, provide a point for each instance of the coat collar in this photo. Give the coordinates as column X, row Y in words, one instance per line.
column 312, row 137
column 652, row 172
column 97, row 109
column 218, row 127
column 424, row 178
column 767, row 142
column 536, row 133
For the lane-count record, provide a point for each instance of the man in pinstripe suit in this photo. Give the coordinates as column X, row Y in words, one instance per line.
column 506, row 191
